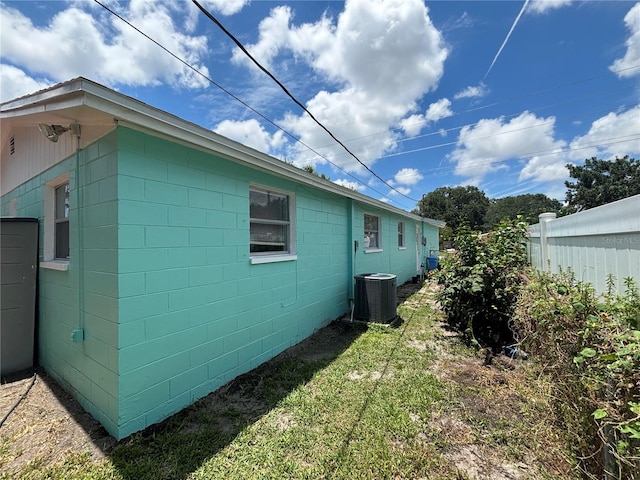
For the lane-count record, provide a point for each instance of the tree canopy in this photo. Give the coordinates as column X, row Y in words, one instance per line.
column 528, row 206
column 456, row 206
column 601, row 181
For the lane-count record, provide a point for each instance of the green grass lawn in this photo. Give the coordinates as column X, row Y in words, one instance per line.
column 370, row 402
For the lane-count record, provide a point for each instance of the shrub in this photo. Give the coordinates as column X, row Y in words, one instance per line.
column 480, row 282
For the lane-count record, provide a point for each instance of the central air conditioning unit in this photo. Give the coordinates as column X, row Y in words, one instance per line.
column 375, row 297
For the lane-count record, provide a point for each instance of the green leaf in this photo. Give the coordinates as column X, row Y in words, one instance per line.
column 599, row 413
column 588, row 352
column 609, row 357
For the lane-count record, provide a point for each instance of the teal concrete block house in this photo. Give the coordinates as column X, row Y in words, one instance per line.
column 173, row 259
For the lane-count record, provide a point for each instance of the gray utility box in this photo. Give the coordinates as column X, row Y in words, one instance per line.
column 18, row 282
column 375, row 297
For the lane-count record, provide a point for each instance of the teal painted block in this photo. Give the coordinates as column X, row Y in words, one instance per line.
column 153, row 373
column 130, row 188
column 205, row 275
column 186, row 256
column 108, row 189
column 236, row 237
column 142, row 213
column 101, row 306
column 90, row 194
column 165, row 150
column 126, row 428
column 260, row 330
column 222, row 327
column 219, row 255
column 249, row 351
column 222, row 219
column 142, row 401
column 142, row 260
column 97, row 372
column 203, row 314
column 207, row 237
column 236, row 203
column 101, row 282
column 98, row 170
column 182, row 175
column 131, row 284
column 165, row 324
column 205, row 352
column 174, row 405
column 206, row 388
column 143, row 167
column 131, row 333
column 103, row 236
column 187, row 298
column 130, row 236
column 166, row 237
column 100, row 398
column 187, row 380
column 222, row 292
column 100, row 215
column 101, row 329
column 224, row 363
column 168, row 193
column 187, row 216
column 165, row 280
column 206, row 199
column 101, row 260
column 134, row 308
column 236, row 272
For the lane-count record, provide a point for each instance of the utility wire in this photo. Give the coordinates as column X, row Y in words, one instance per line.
column 295, row 100
column 213, row 82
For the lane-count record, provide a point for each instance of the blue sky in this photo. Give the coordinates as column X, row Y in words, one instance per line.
column 500, row 95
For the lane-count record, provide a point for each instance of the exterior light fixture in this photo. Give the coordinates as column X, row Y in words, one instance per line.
column 52, row 132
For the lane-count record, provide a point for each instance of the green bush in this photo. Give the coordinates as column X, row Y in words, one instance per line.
column 591, row 347
column 480, row 282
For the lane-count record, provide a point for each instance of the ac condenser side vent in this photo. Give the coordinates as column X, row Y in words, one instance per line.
column 375, row 297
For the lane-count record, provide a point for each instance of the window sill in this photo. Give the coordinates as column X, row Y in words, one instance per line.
column 402, row 248
column 272, row 259
column 60, row 265
column 373, row 250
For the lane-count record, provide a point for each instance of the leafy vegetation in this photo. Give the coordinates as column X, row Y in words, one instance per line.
column 481, row 282
column 528, row 207
column 598, row 182
column 456, row 206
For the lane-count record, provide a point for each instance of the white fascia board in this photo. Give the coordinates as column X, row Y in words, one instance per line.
column 133, row 113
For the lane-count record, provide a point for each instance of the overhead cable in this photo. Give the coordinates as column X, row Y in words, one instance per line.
column 295, row 100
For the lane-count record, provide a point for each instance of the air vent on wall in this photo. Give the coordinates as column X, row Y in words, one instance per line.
column 12, row 145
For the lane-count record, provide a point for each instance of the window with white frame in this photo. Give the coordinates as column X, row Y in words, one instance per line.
column 61, row 220
column 56, row 223
column 401, row 235
column 271, row 222
column 371, row 232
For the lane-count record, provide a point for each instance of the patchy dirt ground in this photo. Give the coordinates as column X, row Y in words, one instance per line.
column 48, row 424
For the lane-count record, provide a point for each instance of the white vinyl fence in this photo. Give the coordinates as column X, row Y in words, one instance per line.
column 592, row 244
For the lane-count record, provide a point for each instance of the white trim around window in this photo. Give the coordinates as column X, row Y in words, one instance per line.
column 54, row 217
column 272, row 225
column 372, row 233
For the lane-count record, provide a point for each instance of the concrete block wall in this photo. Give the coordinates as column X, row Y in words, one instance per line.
column 194, row 312
column 76, row 298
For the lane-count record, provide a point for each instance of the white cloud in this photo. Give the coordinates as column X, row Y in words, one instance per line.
column 408, row 176
column 15, row 83
column 400, row 191
column 622, row 66
column 545, row 168
column 99, row 46
column 225, row 7
column 543, row 6
column 483, row 147
column 358, row 187
column 413, row 124
column 438, row 110
column 369, row 97
column 251, row 134
column 615, row 134
column 477, row 91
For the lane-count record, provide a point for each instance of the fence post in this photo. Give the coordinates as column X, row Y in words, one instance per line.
column 545, row 258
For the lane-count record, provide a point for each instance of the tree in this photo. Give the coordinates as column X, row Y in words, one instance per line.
column 602, row 181
column 528, row 206
column 456, row 206
column 311, row 169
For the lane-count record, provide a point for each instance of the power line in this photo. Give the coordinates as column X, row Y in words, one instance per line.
column 213, row 82
column 295, row 100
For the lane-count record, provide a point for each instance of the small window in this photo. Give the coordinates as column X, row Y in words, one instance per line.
column 62, row 221
column 270, row 222
column 371, row 231
column 401, row 234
